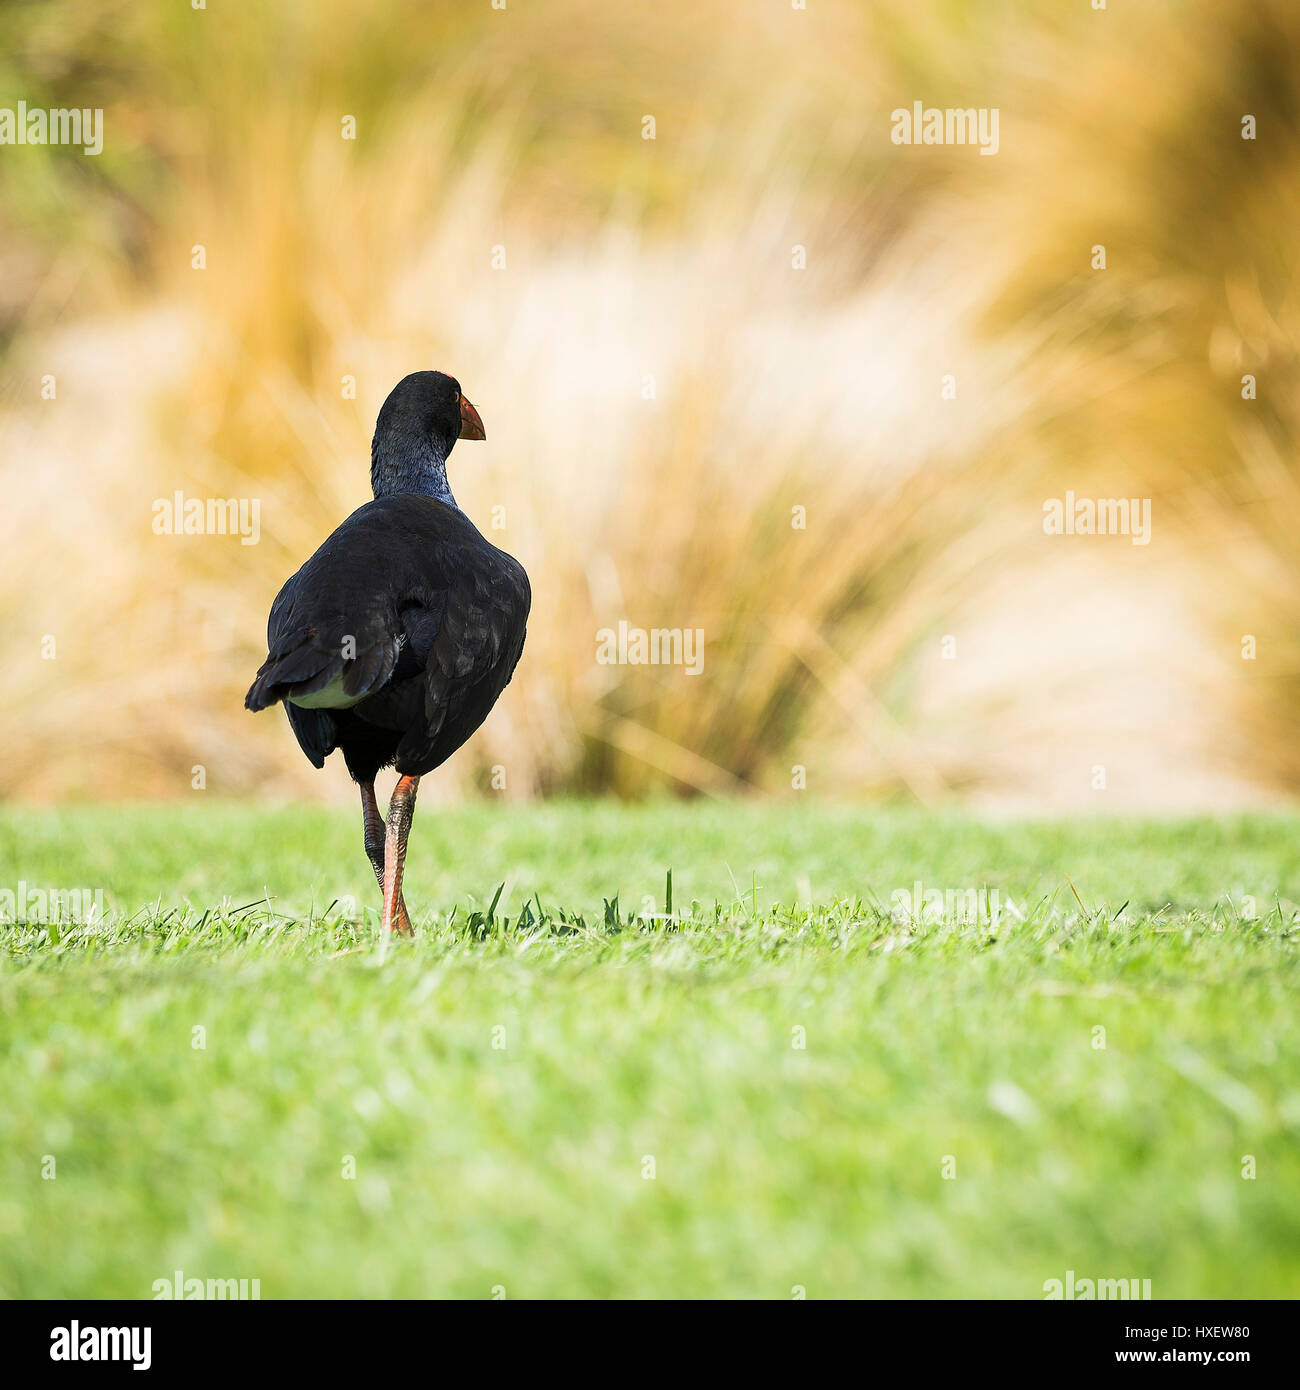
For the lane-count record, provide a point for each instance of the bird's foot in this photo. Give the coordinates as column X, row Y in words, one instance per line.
column 398, row 920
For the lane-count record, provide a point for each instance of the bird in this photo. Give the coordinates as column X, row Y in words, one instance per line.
column 394, row 640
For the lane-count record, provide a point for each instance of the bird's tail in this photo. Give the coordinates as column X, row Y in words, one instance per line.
column 265, row 691
column 296, row 666
column 301, row 666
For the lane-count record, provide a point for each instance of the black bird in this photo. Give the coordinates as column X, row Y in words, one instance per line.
column 394, row 640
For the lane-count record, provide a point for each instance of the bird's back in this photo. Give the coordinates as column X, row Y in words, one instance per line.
column 394, row 640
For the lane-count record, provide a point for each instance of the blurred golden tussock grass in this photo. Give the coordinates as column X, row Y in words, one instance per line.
column 662, row 389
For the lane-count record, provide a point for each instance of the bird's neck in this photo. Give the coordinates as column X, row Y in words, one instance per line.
column 410, row 465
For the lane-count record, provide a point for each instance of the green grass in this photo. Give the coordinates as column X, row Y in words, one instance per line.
column 628, row 1038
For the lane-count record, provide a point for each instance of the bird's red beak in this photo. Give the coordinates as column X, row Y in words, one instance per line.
column 471, row 426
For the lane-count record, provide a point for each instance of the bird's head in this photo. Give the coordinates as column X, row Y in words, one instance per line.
column 431, row 404
column 423, row 417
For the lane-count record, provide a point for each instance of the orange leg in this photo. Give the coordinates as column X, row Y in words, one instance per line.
column 401, row 809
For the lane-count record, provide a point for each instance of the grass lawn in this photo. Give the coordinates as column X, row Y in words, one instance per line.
column 766, row 1091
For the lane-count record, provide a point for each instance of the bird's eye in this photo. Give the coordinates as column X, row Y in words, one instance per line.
column 455, row 398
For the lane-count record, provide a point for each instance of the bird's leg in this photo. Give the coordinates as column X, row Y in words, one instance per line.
column 374, row 824
column 401, row 808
